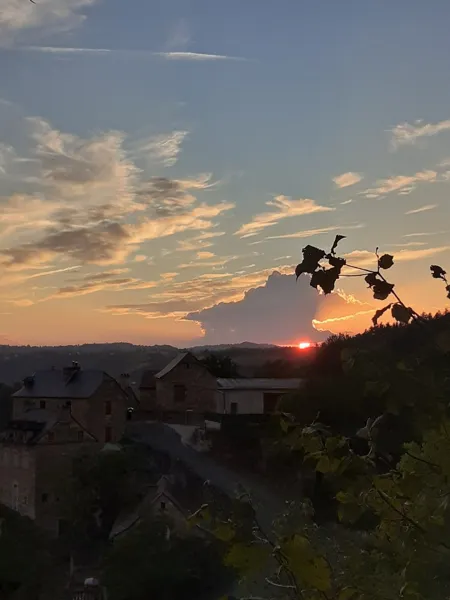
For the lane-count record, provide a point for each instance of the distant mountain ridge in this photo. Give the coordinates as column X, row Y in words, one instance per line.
column 16, row 362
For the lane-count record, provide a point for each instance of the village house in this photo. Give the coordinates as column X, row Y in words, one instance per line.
column 56, row 415
column 184, row 390
column 255, row 396
column 96, row 400
column 36, row 454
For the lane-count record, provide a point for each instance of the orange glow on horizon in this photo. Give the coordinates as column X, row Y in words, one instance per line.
column 304, row 345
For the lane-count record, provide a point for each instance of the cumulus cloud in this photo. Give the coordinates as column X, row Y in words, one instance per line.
column 424, row 208
column 284, row 207
column 16, row 16
column 280, row 310
column 164, row 148
column 408, row 133
column 402, row 184
column 347, row 179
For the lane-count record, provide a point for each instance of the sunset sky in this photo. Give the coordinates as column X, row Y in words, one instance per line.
column 163, row 163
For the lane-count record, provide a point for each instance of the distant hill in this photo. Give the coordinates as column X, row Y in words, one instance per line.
column 16, row 362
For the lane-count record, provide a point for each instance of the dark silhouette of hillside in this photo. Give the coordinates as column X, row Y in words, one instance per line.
column 17, row 362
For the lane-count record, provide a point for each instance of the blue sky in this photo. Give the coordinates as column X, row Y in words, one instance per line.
column 155, row 155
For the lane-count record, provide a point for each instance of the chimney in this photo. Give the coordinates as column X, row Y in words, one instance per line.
column 70, row 372
column 28, row 382
column 124, row 380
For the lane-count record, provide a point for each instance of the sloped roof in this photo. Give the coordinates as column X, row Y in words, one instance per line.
column 35, row 422
column 259, row 383
column 52, row 383
column 173, row 363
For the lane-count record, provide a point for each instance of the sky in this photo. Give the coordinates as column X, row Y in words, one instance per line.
column 163, row 163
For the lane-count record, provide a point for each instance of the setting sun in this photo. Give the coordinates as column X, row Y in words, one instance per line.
column 304, row 345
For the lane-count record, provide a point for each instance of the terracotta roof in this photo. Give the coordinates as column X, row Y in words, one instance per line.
column 58, row 383
column 258, row 384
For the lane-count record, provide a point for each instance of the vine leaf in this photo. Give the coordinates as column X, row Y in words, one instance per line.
column 371, row 279
column 379, row 313
column 438, row 272
column 401, row 313
column 386, row 261
column 309, row 568
column 336, row 261
column 325, row 279
column 380, row 287
column 337, row 239
column 311, row 258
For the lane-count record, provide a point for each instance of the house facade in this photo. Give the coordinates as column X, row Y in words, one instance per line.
column 183, row 390
column 36, row 456
column 56, row 415
column 252, row 396
column 95, row 399
column 186, row 389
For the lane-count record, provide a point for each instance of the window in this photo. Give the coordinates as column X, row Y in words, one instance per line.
column 163, row 506
column 51, row 436
column 80, row 436
column 187, row 365
column 179, row 393
column 42, row 404
column 108, row 407
column 44, row 498
column 108, row 434
column 233, row 408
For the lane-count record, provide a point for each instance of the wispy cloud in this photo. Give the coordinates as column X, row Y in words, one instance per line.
column 179, row 36
column 85, row 190
column 174, row 56
column 362, row 258
column 423, row 233
column 424, row 208
column 197, row 56
column 312, row 232
column 347, row 179
column 402, row 184
column 17, row 16
column 409, row 133
column 284, row 207
column 164, row 148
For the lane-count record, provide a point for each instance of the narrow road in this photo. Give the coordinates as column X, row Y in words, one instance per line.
column 164, row 439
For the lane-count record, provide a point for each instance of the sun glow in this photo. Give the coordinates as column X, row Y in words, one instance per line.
column 304, row 345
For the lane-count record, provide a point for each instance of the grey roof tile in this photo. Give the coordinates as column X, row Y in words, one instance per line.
column 52, row 383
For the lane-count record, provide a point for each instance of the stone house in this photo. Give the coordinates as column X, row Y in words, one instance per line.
column 158, row 503
column 36, row 455
column 56, row 415
column 184, row 390
column 95, row 399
